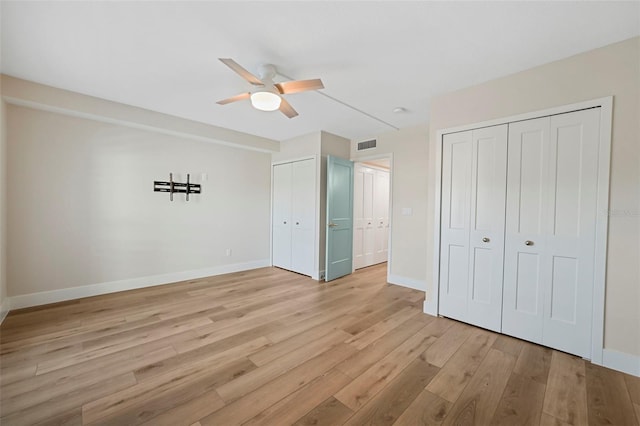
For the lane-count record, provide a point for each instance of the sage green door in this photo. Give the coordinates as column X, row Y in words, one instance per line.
column 339, row 256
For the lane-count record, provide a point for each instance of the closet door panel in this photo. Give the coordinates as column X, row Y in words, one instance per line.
column 358, row 217
column 525, row 264
column 369, row 244
column 572, row 214
column 281, row 226
column 486, row 239
column 303, row 216
column 528, row 281
column 454, row 232
column 381, row 216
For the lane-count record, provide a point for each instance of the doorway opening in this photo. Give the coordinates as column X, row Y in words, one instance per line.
column 371, row 212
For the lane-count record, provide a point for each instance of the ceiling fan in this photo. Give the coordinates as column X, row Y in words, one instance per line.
column 267, row 95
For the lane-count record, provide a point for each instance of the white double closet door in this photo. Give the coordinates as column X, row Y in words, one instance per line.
column 371, row 216
column 293, row 215
column 518, row 228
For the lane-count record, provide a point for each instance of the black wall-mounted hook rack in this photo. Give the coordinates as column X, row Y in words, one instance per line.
column 176, row 187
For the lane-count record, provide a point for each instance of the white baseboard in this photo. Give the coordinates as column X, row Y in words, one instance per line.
column 620, row 361
column 406, row 282
column 42, row 298
column 4, row 309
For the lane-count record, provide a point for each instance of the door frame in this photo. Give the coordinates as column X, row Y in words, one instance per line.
column 361, row 162
column 431, row 304
column 388, row 155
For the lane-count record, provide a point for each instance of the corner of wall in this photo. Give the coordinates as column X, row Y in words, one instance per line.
column 335, row 145
column 430, row 304
column 298, row 147
column 620, row 361
column 4, row 302
column 406, row 282
column 5, row 307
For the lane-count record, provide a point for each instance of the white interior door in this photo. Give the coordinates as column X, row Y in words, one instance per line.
column 381, row 216
column 281, row 215
column 358, row 207
column 303, row 216
column 369, row 232
column 525, row 242
column 550, row 230
column 364, row 231
column 472, row 226
column 486, row 235
column 454, row 224
column 571, row 212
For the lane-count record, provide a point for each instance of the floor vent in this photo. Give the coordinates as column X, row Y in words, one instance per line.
column 366, row 144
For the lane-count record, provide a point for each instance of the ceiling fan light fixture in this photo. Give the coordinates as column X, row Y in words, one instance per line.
column 265, row 101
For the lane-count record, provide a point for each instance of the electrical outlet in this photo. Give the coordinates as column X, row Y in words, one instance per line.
column 228, row 252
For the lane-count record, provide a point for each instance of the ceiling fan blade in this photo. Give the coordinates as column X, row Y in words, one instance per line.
column 296, row 86
column 241, row 71
column 287, row 109
column 236, row 98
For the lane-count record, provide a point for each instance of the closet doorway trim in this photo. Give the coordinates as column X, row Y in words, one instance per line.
column 431, row 304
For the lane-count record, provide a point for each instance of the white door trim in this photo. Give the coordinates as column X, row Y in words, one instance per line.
column 602, row 219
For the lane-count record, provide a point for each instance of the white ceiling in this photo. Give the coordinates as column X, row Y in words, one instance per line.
column 372, row 55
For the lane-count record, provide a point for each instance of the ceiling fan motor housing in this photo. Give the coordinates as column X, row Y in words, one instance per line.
column 267, row 72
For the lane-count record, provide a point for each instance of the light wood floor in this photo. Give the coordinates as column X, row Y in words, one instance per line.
column 273, row 347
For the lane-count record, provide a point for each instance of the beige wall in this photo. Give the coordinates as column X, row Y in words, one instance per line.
column 298, row 148
column 82, row 209
column 611, row 70
column 409, row 190
column 27, row 93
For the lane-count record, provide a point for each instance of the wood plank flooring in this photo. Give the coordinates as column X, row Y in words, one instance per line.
column 270, row 347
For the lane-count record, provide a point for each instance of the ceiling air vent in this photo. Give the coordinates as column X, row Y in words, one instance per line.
column 366, row 144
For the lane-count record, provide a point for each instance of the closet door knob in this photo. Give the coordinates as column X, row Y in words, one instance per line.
column 297, row 223
column 485, row 240
column 285, row 222
column 528, row 243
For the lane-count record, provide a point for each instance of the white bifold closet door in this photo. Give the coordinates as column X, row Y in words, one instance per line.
column 303, row 216
column 293, row 216
column 472, row 225
column 550, row 230
column 281, row 215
